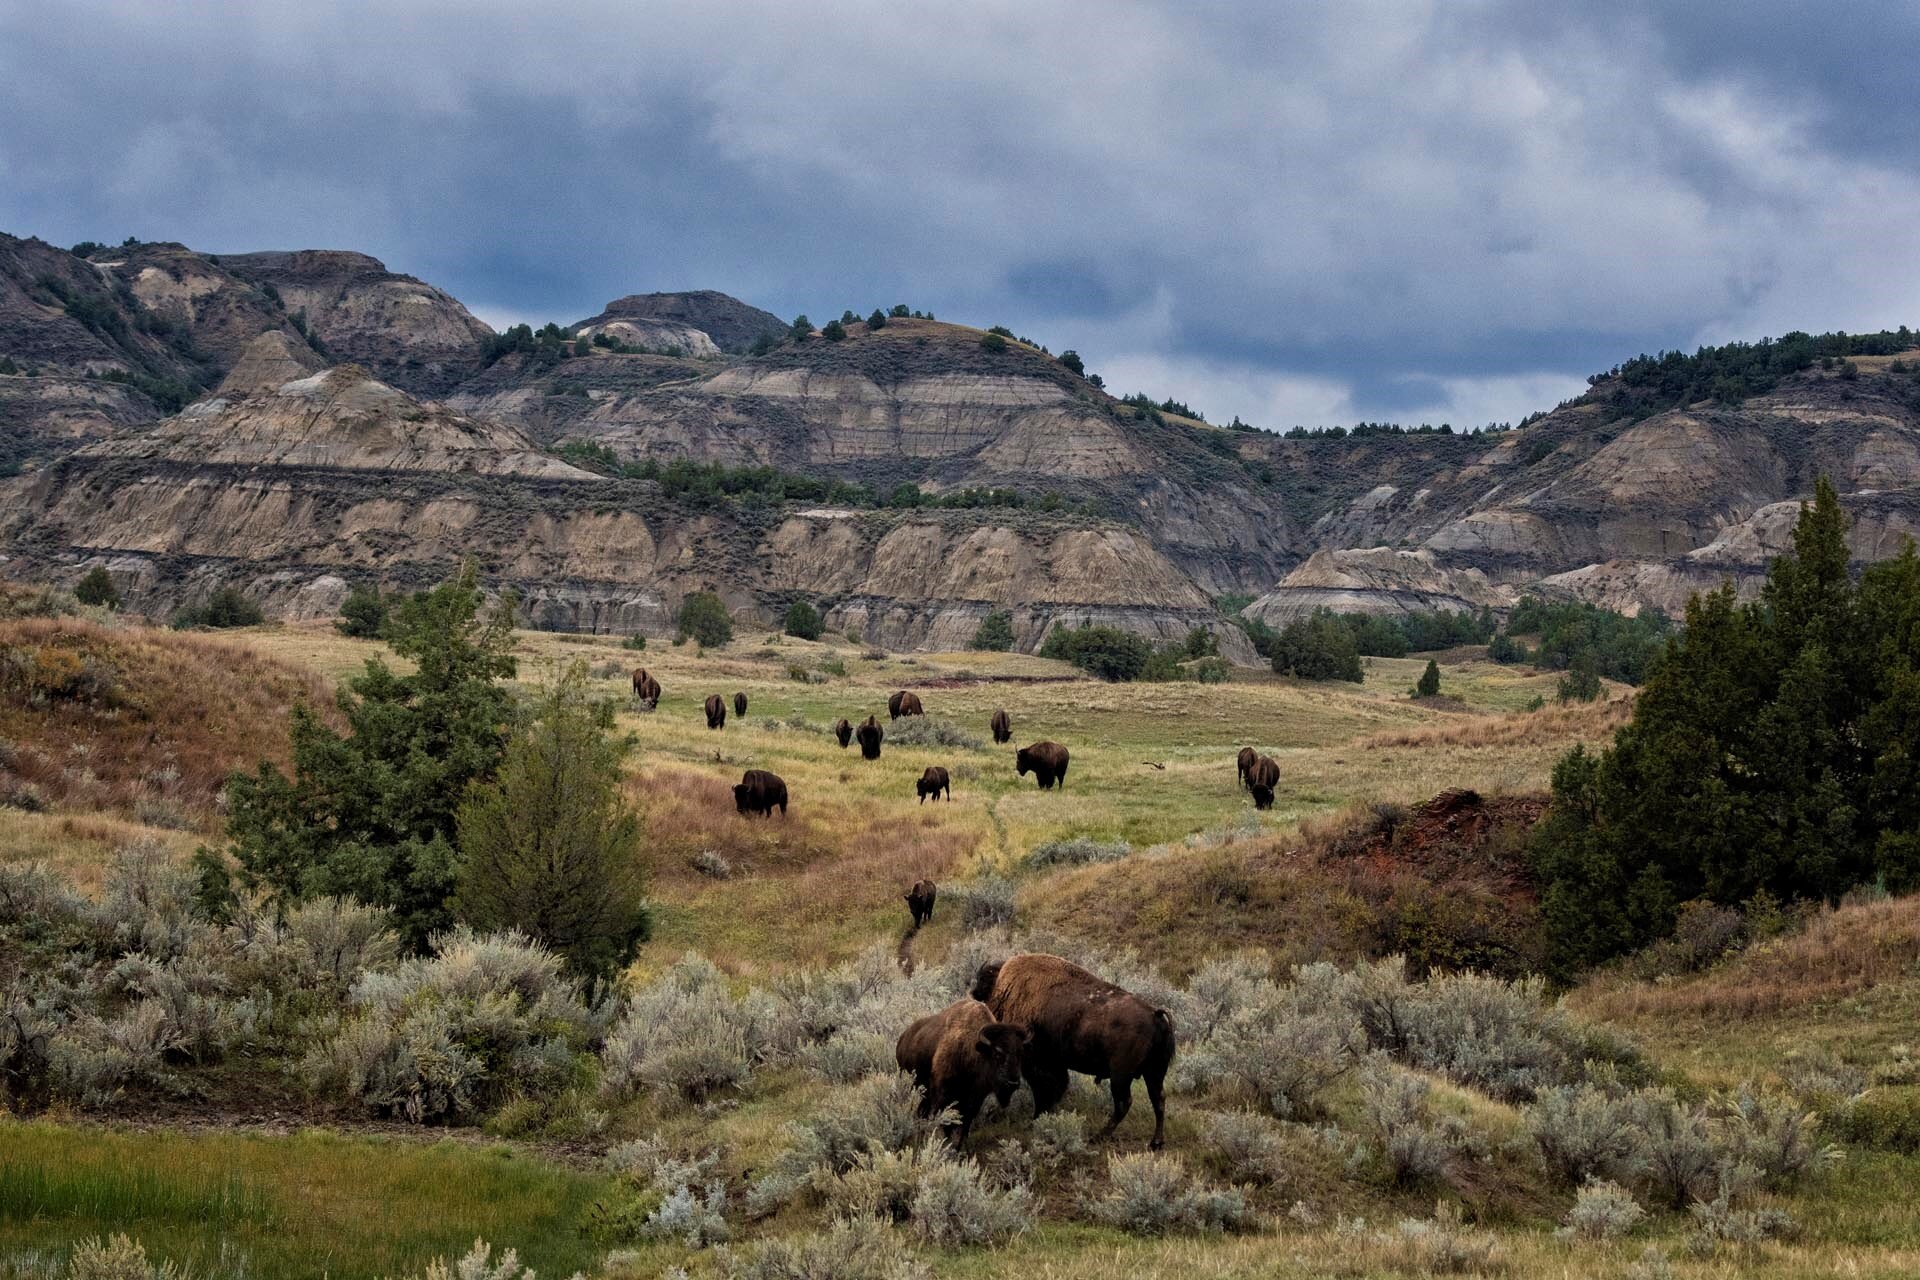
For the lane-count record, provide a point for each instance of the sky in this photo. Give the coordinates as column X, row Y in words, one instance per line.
column 1300, row 214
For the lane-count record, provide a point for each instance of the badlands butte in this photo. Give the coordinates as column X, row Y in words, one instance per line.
column 295, row 422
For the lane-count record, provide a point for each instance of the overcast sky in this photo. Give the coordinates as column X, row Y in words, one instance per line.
column 1298, row 213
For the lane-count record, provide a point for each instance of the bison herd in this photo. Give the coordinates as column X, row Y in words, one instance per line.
column 1038, row 1018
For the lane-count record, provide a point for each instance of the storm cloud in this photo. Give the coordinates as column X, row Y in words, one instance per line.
column 1293, row 213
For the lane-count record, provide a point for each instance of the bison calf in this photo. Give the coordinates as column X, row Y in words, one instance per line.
column 920, row 901
column 870, row 733
column 1046, row 760
column 1077, row 1022
column 904, row 704
column 716, row 712
column 933, row 782
column 759, row 792
column 1002, row 728
column 844, row 732
column 959, row 1057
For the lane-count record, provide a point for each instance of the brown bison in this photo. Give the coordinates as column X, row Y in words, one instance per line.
column 904, row 704
column 1245, row 761
column 759, row 792
column 843, row 731
column 1047, row 760
column 739, row 703
column 870, row 733
column 1077, row 1022
column 920, row 901
column 958, row 1057
column 1002, row 727
column 933, row 782
column 646, row 688
column 716, row 712
column 1263, row 775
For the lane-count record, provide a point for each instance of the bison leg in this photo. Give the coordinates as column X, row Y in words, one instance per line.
column 1049, row 1085
column 1155, row 1087
column 1122, row 1103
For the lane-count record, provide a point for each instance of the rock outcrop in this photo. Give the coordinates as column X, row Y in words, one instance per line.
column 729, row 323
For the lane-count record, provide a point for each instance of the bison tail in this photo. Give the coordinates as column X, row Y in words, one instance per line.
column 1161, row 1055
column 984, row 980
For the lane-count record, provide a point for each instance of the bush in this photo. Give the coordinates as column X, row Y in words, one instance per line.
column 1107, row 653
column 1684, row 1159
column 703, row 617
column 1441, row 1246
column 1151, row 1194
column 687, row 1038
column 1585, row 1134
column 363, row 613
column 446, row 1037
column 992, row 342
column 636, row 642
column 1287, row 1045
column 929, row 731
column 878, row 320
column 1581, row 683
column 116, row 1258
column 1076, row 852
column 549, row 845
column 1246, row 1147
column 1429, row 683
column 478, row 1263
column 1602, row 1211
column 1317, row 647
column 851, row 1249
column 875, row 1115
column 803, row 621
column 995, row 632
column 1884, row 1120
column 97, row 589
column 985, row 903
column 1777, row 1137
column 227, row 607
column 1415, row 1149
column 953, row 1207
column 833, row 331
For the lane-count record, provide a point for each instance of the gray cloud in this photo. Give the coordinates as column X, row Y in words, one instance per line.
column 1416, row 210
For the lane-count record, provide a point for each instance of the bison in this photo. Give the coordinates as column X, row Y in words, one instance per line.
column 904, row 704
column 843, row 731
column 1263, row 775
column 870, row 733
column 933, row 782
column 1077, row 1022
column 646, row 688
column 958, row 1057
column 920, row 901
column 1245, row 762
column 760, row 792
column 1002, row 728
column 1047, row 760
column 739, row 703
column 716, row 712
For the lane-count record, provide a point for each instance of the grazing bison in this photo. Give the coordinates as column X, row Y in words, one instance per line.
column 1263, row 775
column 920, row 901
column 933, row 782
column 1047, row 760
column 646, row 688
column 1245, row 762
column 759, row 792
column 1077, row 1022
column 870, row 733
column 904, row 704
column 716, row 712
column 739, row 703
column 958, row 1057
column 1002, row 727
column 843, row 731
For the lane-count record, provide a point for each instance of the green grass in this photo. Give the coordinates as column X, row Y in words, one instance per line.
column 313, row 1204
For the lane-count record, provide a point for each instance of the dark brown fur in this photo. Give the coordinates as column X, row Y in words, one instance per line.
column 843, row 731
column 1245, row 762
column 716, row 712
column 904, row 704
column 920, row 901
column 1263, row 774
column 739, row 703
column 646, row 688
column 1262, row 796
column 959, row 1057
column 1081, row 1023
column 760, row 792
column 870, row 734
column 933, row 782
column 1002, row 727
column 1047, row 760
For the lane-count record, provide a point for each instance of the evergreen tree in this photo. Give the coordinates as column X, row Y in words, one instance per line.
column 834, row 331
column 370, row 815
column 801, row 329
column 1429, row 685
column 704, row 618
column 363, row 613
column 995, row 632
column 1771, row 749
column 97, row 589
column 549, row 845
column 803, row 621
column 878, row 320
column 1317, row 647
column 1582, row 681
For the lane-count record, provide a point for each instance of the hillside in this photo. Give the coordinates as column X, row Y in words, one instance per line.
column 148, row 402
